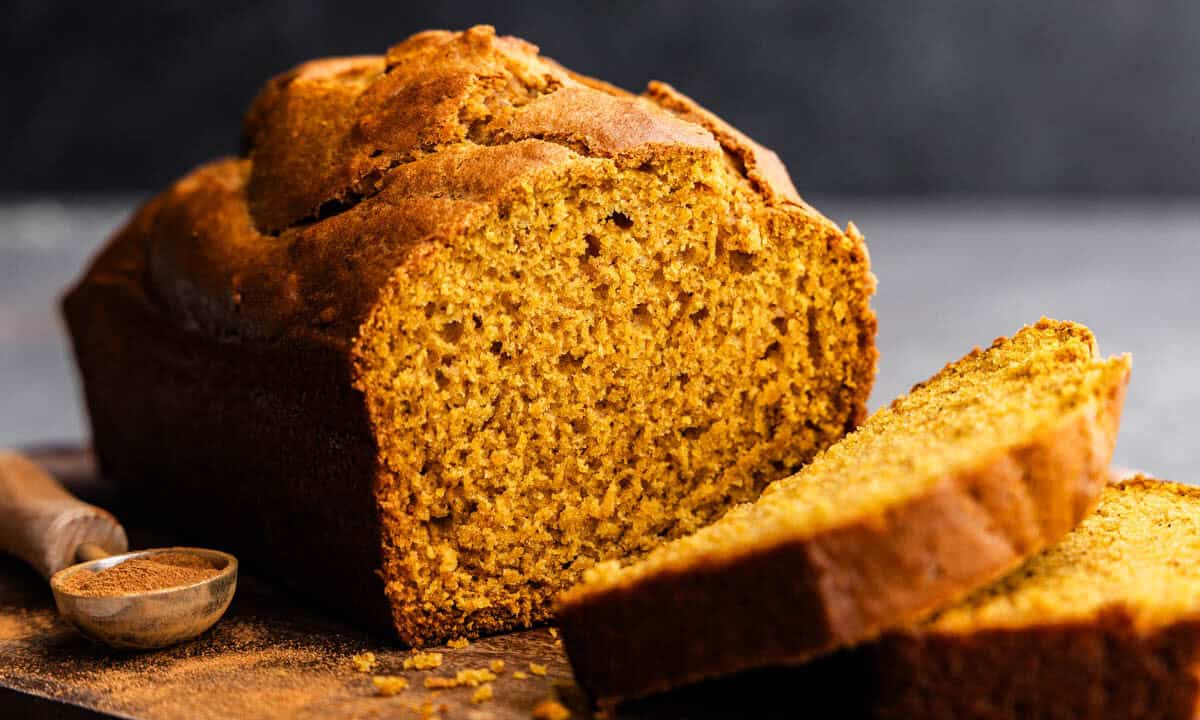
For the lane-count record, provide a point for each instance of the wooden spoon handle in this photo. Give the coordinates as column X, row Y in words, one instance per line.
column 43, row 524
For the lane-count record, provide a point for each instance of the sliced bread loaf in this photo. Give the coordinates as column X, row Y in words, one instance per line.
column 462, row 323
column 1104, row 624
column 996, row 456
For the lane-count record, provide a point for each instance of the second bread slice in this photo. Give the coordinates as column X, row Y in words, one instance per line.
column 984, row 464
column 1105, row 624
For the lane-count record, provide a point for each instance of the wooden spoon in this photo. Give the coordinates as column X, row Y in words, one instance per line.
column 60, row 535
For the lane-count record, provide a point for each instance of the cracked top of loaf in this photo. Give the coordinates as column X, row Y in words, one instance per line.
column 353, row 165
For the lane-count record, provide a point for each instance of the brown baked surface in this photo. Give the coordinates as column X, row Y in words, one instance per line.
column 461, row 324
column 996, row 456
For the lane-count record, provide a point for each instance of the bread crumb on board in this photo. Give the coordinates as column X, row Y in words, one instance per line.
column 423, row 661
column 496, row 666
column 459, row 643
column 475, row 677
column 550, row 710
column 553, row 632
column 537, row 669
column 483, row 693
column 427, row 710
column 364, row 662
column 440, row 682
column 470, row 678
column 388, row 685
column 520, row 675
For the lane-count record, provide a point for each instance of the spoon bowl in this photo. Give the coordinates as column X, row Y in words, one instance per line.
column 154, row 619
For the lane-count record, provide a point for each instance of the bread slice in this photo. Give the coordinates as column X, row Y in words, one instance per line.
column 1104, row 624
column 984, row 464
column 461, row 324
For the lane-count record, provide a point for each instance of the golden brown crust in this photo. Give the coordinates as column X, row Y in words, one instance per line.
column 407, row 146
column 328, row 133
column 792, row 602
column 761, row 166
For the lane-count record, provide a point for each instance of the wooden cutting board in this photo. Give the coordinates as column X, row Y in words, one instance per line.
column 270, row 657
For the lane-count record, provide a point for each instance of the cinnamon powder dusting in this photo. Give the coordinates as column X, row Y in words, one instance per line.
column 141, row 574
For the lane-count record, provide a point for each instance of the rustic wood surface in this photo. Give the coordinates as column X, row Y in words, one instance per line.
column 270, row 657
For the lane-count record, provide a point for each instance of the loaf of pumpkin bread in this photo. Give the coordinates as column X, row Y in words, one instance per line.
column 993, row 458
column 461, row 324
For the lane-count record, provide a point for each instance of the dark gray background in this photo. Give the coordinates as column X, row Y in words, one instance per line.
column 865, row 96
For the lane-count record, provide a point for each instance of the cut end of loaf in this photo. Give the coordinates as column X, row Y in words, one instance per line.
column 608, row 362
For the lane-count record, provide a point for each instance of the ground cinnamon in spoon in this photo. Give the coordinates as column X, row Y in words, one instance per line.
column 141, row 574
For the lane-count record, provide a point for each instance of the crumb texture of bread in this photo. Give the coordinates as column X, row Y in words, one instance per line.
column 981, row 466
column 462, row 324
column 1106, row 623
